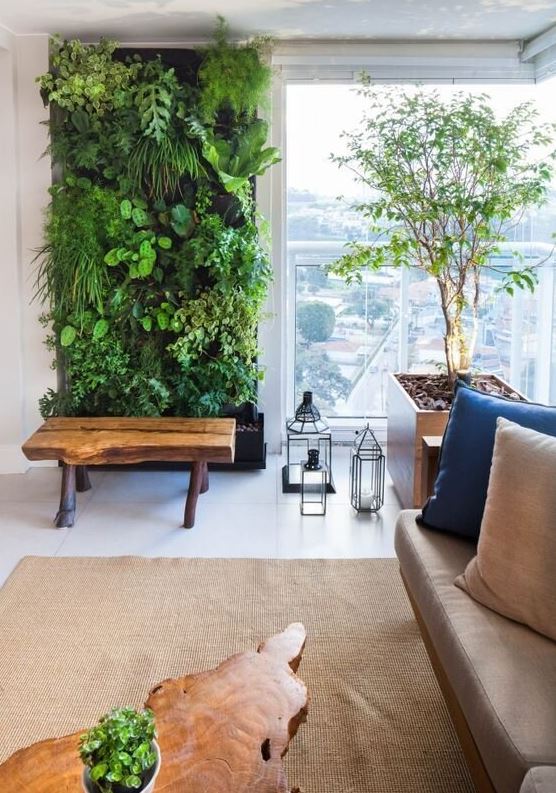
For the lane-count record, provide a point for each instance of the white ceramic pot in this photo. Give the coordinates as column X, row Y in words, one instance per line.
column 90, row 787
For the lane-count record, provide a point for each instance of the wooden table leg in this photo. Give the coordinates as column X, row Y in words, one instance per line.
column 66, row 514
column 82, row 481
column 197, row 481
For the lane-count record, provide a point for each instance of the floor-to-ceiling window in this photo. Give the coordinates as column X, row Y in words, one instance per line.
column 344, row 340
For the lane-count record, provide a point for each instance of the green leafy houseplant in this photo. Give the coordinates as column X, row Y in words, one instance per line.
column 233, row 78
column 140, row 249
column 447, row 182
column 119, row 753
column 86, row 76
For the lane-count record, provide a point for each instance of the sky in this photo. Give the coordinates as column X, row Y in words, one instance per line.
column 318, row 113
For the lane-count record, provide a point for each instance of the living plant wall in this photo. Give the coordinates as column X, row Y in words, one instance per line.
column 152, row 268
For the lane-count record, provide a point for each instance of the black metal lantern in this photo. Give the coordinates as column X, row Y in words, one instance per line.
column 306, row 430
column 366, row 475
column 313, row 485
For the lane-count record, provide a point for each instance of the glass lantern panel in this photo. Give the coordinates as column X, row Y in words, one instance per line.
column 313, row 492
column 298, row 452
column 367, row 483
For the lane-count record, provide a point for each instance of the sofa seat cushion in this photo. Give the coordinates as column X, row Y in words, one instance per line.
column 502, row 673
column 541, row 779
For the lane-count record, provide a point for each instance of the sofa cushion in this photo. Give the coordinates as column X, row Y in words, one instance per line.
column 502, row 673
column 541, row 779
column 514, row 571
column 460, row 490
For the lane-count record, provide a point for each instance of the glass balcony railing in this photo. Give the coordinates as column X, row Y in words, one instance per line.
column 348, row 338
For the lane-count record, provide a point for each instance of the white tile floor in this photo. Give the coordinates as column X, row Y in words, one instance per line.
column 244, row 514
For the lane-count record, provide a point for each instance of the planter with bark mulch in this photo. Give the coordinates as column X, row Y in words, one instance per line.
column 418, row 405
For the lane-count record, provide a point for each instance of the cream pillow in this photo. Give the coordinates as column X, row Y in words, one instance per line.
column 514, row 572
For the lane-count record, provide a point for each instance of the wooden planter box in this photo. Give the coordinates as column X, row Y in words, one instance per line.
column 406, row 427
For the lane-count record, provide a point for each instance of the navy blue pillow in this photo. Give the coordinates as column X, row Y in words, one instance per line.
column 460, row 490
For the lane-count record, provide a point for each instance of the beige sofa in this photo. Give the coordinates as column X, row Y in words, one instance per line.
column 498, row 677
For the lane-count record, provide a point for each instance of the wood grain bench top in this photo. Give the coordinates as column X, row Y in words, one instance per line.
column 97, row 441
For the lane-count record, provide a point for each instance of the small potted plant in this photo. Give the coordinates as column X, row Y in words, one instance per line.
column 120, row 753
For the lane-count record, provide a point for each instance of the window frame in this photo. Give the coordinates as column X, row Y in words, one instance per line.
column 457, row 63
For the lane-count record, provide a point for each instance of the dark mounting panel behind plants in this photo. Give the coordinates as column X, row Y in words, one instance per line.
column 152, row 271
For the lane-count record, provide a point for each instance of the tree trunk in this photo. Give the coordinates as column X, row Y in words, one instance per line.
column 458, row 350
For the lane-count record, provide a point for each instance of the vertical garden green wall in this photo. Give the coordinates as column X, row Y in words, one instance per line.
column 152, row 273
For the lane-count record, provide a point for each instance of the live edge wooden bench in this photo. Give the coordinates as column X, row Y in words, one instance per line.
column 79, row 442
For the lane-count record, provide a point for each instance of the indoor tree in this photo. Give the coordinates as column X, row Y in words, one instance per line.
column 447, row 181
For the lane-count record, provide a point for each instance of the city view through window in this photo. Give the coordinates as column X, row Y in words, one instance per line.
column 347, row 339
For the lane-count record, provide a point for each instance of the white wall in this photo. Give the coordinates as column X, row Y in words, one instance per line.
column 11, row 371
column 34, row 181
column 272, row 337
column 25, row 177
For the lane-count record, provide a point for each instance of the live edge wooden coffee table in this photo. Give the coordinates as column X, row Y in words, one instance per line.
column 221, row 731
column 80, row 442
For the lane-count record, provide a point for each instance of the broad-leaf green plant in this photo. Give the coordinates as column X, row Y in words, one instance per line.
column 141, row 246
column 237, row 160
column 155, row 99
column 111, row 373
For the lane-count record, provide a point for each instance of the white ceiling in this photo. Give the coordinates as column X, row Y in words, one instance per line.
column 173, row 20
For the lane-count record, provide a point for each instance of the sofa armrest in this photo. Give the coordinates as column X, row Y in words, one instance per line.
column 541, row 779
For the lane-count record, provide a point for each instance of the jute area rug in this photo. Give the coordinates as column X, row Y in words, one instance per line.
column 79, row 636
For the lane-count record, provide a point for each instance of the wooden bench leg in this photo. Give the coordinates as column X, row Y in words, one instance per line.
column 198, row 483
column 82, row 481
column 66, row 514
column 205, row 484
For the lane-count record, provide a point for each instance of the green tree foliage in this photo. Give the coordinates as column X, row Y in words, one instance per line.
column 153, row 288
column 314, row 371
column 316, row 278
column 367, row 306
column 448, row 180
column 316, row 321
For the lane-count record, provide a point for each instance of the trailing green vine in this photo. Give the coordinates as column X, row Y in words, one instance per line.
column 152, row 273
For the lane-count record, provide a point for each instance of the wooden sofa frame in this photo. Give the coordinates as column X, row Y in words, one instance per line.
column 479, row 774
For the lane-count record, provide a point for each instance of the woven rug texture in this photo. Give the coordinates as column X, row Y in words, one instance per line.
column 81, row 635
